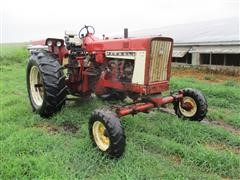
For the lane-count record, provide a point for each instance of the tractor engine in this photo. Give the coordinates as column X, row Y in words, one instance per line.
column 121, row 70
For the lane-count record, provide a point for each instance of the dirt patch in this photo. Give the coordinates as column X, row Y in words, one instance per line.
column 203, row 75
column 176, row 159
column 69, row 127
column 19, row 93
column 222, row 124
column 53, row 128
column 219, row 123
column 50, row 128
column 222, row 147
column 167, row 110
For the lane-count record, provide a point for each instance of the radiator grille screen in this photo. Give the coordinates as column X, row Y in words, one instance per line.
column 160, row 51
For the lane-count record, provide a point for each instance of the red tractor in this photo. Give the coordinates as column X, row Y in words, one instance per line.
column 138, row 68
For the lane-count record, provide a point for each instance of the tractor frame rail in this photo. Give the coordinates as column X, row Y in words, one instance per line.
column 149, row 103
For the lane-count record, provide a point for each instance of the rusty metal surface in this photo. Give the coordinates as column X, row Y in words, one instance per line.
column 160, row 51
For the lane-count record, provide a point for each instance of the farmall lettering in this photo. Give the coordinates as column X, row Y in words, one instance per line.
column 83, row 65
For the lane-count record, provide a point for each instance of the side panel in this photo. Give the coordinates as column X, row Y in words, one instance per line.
column 139, row 68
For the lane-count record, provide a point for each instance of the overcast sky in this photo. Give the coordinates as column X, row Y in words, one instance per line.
column 25, row 20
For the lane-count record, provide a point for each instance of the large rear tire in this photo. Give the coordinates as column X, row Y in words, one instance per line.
column 45, row 84
column 107, row 133
column 196, row 101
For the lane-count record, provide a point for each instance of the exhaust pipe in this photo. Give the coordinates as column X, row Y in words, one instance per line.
column 125, row 32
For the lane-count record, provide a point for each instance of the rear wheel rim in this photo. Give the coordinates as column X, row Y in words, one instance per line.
column 36, row 86
column 192, row 111
column 99, row 134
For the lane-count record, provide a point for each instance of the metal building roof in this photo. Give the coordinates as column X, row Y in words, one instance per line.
column 181, row 51
column 224, row 30
column 216, row 49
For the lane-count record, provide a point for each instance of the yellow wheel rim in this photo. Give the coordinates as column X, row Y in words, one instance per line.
column 36, row 86
column 192, row 111
column 100, row 138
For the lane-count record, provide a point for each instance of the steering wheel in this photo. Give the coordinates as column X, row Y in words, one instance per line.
column 87, row 28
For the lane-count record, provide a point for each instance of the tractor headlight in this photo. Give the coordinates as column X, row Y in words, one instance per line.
column 59, row 43
column 49, row 43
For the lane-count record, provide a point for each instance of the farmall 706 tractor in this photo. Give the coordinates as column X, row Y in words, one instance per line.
column 138, row 68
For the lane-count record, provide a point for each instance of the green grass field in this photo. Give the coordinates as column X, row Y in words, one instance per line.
column 159, row 145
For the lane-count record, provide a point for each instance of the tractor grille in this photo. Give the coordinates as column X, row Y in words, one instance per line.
column 160, row 51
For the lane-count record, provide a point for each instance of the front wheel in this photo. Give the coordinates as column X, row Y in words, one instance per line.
column 192, row 106
column 107, row 133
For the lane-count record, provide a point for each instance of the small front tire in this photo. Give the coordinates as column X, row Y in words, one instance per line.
column 197, row 102
column 107, row 133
